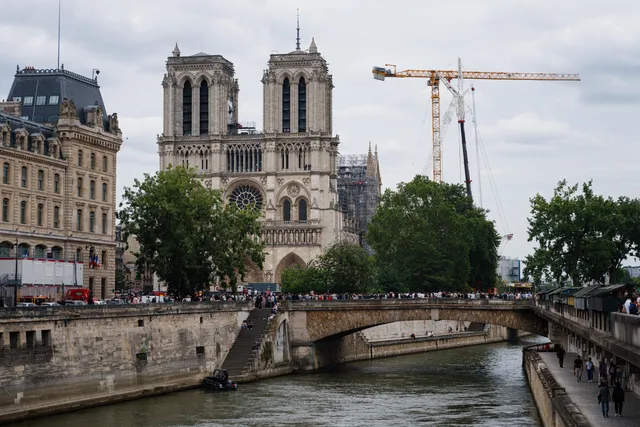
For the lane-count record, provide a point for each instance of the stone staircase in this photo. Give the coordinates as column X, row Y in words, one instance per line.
column 244, row 350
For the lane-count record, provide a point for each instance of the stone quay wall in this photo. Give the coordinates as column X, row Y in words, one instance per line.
column 368, row 344
column 554, row 405
column 65, row 358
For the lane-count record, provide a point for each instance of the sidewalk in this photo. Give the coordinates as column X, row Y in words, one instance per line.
column 584, row 394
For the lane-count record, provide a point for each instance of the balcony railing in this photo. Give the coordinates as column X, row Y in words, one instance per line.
column 292, row 236
column 280, row 223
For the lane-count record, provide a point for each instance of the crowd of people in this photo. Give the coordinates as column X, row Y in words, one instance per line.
column 631, row 304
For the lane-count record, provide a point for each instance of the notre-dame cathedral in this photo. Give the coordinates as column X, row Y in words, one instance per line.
column 288, row 171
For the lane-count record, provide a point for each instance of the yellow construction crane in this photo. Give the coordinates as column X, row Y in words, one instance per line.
column 434, row 77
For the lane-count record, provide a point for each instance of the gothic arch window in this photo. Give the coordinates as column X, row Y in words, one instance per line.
column 204, row 108
column 244, row 158
column 245, row 196
column 186, row 108
column 302, row 105
column 302, row 210
column 286, row 106
column 286, row 210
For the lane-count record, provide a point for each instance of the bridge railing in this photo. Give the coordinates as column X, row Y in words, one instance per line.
column 404, row 302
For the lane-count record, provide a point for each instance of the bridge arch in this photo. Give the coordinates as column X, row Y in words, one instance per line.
column 318, row 321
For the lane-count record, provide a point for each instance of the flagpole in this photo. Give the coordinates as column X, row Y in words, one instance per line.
column 59, row 16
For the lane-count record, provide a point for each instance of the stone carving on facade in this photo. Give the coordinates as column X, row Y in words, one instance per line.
column 98, row 118
column 270, row 205
column 314, row 205
column 207, row 183
column 224, row 181
column 263, row 180
column 280, row 181
column 306, row 181
column 114, row 126
column 68, row 108
column 293, row 189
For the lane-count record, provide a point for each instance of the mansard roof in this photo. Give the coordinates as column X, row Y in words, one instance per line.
column 51, row 83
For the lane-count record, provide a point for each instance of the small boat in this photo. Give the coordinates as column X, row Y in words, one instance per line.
column 219, row 380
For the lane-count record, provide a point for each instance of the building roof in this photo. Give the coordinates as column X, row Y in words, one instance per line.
column 597, row 291
column 48, row 83
column 17, row 123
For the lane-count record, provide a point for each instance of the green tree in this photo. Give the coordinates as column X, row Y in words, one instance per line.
column 343, row 268
column 122, row 284
column 428, row 236
column 581, row 235
column 187, row 234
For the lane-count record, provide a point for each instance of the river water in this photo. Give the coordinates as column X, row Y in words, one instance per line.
column 473, row 386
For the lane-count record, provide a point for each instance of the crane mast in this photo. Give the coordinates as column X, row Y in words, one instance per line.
column 435, row 76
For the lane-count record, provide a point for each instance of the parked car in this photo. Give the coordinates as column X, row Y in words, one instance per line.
column 49, row 304
column 74, row 302
column 26, row 304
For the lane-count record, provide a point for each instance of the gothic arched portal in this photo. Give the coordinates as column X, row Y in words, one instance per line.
column 288, row 261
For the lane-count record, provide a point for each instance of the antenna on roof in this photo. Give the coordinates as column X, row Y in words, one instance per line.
column 59, row 15
column 298, row 31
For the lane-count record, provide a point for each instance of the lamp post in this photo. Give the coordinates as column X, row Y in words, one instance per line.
column 15, row 278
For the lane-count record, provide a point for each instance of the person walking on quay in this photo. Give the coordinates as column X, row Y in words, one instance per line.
column 590, row 367
column 612, row 372
column 577, row 368
column 604, row 396
column 602, row 370
column 560, row 355
column 618, row 399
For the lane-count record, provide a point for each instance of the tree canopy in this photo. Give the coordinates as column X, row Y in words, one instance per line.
column 429, row 236
column 186, row 233
column 343, row 268
column 581, row 236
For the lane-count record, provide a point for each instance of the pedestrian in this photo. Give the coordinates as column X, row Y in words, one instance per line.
column 618, row 399
column 590, row 367
column 560, row 355
column 602, row 369
column 612, row 372
column 577, row 368
column 604, row 396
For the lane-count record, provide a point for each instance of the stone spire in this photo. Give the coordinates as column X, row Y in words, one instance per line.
column 378, row 176
column 371, row 165
column 312, row 47
column 176, row 50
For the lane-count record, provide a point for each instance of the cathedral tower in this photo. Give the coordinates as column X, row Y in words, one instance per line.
column 298, row 92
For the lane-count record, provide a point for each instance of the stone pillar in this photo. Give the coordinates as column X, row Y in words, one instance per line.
column 556, row 335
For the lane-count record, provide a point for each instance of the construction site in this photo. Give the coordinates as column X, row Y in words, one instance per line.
column 359, row 187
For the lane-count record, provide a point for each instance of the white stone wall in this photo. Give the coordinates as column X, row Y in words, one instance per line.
column 419, row 327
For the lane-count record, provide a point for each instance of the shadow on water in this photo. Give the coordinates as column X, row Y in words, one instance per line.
column 473, row 386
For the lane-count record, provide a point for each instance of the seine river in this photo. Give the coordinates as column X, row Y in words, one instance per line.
column 474, row 386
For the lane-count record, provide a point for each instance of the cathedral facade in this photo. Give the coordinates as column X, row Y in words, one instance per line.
column 288, row 171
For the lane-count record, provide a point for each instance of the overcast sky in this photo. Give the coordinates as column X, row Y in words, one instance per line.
column 533, row 133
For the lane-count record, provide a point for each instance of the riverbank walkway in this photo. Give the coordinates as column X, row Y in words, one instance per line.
column 584, row 394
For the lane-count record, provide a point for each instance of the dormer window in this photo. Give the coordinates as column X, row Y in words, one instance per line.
column 41, row 100
column 28, row 101
column 54, row 100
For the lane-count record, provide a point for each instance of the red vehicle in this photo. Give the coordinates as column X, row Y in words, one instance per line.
column 78, row 294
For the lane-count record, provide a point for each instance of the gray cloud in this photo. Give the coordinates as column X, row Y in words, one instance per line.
column 533, row 133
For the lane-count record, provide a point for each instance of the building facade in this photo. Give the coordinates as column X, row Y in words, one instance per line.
column 58, row 152
column 509, row 269
column 288, row 171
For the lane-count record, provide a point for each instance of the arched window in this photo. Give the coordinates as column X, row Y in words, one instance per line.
column 204, row 108
column 56, row 183
column 40, row 214
column 286, row 106
column 92, row 222
column 80, row 158
column 79, row 254
column 186, row 108
column 5, row 173
column 79, row 219
column 23, row 177
column 104, row 191
column 40, row 180
column 104, row 163
column 56, row 252
column 5, row 210
column 246, row 196
column 5, row 250
column 302, row 105
column 56, row 217
column 79, row 187
column 286, row 210
column 40, row 252
column 92, row 190
column 104, row 223
column 92, row 161
column 302, row 210
column 23, row 212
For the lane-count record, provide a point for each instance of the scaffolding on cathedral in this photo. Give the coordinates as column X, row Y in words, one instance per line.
column 358, row 190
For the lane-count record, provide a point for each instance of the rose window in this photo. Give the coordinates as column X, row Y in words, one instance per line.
column 245, row 196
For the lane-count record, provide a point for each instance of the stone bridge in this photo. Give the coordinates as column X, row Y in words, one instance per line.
column 316, row 327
